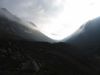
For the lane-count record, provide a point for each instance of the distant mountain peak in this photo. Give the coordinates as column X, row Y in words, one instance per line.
column 14, row 27
column 7, row 14
column 4, row 9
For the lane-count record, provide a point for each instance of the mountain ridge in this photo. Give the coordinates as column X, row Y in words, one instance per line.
column 20, row 28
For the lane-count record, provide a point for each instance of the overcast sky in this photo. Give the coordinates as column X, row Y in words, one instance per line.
column 56, row 18
column 33, row 10
column 40, row 12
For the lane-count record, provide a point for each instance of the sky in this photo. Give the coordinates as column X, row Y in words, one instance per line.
column 57, row 19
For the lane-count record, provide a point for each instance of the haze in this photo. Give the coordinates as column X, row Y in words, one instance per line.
column 57, row 19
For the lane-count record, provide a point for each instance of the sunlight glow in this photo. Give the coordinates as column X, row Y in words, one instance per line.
column 73, row 14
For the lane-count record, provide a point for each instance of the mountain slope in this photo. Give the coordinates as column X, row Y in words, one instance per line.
column 12, row 27
column 88, row 36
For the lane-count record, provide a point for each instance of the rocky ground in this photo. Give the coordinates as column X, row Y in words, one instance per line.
column 42, row 58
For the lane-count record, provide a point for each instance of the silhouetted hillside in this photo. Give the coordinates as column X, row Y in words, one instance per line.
column 20, row 54
column 16, row 28
column 42, row 58
column 87, row 37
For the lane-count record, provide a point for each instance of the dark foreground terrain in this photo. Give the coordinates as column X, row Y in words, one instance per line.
column 41, row 58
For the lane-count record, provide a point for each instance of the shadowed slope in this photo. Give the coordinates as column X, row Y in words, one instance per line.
column 13, row 27
column 41, row 58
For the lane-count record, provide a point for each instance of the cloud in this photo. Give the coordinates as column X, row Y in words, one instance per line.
column 33, row 10
column 61, row 17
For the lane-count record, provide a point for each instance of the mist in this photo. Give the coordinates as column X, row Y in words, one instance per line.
column 57, row 19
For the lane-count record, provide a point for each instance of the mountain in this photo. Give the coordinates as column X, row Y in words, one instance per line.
column 87, row 37
column 42, row 58
column 19, row 56
column 14, row 28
